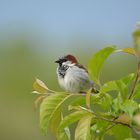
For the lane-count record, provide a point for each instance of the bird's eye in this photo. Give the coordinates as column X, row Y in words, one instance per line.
column 64, row 60
column 65, row 67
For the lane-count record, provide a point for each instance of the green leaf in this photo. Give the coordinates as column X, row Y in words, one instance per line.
column 129, row 107
column 65, row 134
column 122, row 88
column 128, row 79
column 88, row 98
column 109, row 86
column 40, row 87
column 93, row 130
column 48, row 108
column 38, row 101
column 78, row 101
column 121, row 132
column 130, row 139
column 100, row 128
column 54, row 124
column 97, row 61
column 82, row 131
column 105, row 102
column 137, row 92
column 116, row 106
column 55, row 121
column 129, row 51
column 136, row 38
column 71, row 118
column 121, row 85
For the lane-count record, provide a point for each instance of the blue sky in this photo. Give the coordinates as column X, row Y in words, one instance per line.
column 108, row 20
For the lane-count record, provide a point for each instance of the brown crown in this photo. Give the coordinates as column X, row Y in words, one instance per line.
column 71, row 58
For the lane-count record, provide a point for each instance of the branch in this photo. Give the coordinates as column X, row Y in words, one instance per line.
column 114, row 123
column 111, row 121
column 135, row 82
column 105, row 119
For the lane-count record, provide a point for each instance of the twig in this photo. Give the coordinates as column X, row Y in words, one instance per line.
column 105, row 119
column 135, row 82
column 111, row 121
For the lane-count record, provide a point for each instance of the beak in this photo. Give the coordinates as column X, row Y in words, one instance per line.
column 57, row 61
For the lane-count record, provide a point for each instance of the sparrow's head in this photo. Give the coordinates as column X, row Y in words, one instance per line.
column 69, row 59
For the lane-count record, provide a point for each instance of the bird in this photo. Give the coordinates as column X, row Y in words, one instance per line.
column 72, row 76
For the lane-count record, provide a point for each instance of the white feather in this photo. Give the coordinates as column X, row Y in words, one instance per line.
column 75, row 80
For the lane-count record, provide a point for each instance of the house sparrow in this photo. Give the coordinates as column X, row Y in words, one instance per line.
column 72, row 76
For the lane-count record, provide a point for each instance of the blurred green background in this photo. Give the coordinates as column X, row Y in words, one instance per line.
column 33, row 34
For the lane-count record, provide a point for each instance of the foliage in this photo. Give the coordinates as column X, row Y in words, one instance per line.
column 118, row 110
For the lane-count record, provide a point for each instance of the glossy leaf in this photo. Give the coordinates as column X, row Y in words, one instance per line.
column 116, row 106
column 128, row 78
column 105, row 102
column 71, row 118
column 78, row 101
column 130, row 139
column 136, row 39
column 123, row 89
column 40, row 87
column 121, row 85
column 82, row 131
column 129, row 107
column 121, row 132
column 109, row 86
column 101, row 127
column 55, row 121
column 137, row 92
column 96, row 62
column 93, row 130
column 38, row 101
column 64, row 135
column 54, row 125
column 129, row 51
column 48, row 108
column 88, row 98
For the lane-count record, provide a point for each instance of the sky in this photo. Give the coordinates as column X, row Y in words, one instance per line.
column 108, row 20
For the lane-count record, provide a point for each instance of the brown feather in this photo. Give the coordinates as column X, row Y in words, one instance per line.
column 81, row 66
column 71, row 58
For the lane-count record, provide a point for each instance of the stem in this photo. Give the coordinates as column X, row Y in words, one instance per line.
column 111, row 121
column 135, row 82
column 104, row 119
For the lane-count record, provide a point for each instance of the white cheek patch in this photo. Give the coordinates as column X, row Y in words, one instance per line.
column 68, row 63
